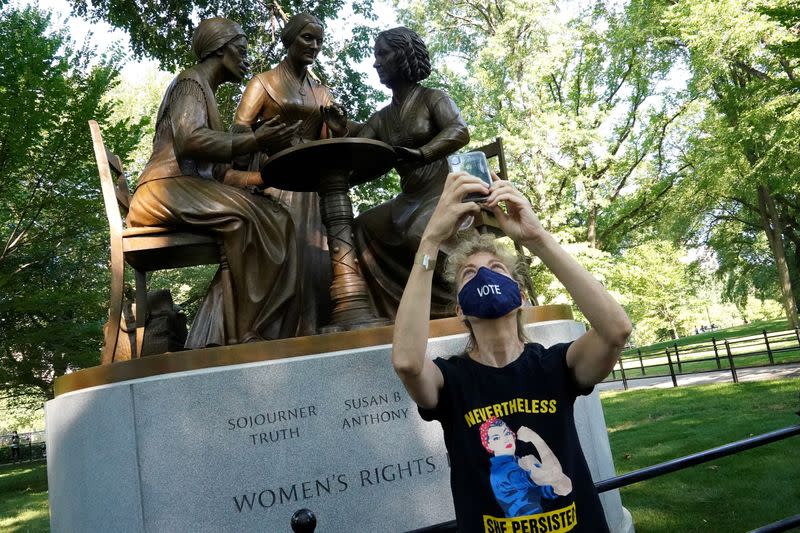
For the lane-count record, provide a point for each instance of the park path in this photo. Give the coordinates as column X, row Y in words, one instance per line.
column 718, row 376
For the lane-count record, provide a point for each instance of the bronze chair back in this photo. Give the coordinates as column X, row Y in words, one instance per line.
column 146, row 250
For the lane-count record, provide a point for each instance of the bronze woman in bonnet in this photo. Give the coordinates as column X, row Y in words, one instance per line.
column 184, row 185
column 287, row 91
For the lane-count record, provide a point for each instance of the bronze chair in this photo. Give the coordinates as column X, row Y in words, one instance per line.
column 487, row 222
column 149, row 249
column 495, row 149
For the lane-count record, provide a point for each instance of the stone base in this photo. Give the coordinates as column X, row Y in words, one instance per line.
column 242, row 447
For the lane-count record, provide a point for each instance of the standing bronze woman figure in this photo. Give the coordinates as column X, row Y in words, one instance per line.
column 183, row 185
column 424, row 125
column 287, row 91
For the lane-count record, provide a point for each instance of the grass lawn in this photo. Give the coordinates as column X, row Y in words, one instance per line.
column 729, row 495
column 23, row 498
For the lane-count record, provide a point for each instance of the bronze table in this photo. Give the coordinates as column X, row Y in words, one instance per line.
column 330, row 167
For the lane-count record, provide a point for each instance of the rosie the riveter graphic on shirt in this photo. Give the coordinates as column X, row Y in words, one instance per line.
column 520, row 484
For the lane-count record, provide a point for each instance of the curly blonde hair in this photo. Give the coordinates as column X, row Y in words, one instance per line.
column 485, row 243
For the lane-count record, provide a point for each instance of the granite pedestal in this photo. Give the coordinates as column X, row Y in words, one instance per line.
column 242, row 447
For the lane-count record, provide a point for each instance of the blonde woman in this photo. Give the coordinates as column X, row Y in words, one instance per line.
column 529, row 387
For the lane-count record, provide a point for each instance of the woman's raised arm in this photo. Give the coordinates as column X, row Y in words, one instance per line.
column 420, row 376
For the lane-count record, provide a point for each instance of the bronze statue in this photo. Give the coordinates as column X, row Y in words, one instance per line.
column 424, row 126
column 288, row 91
column 184, row 185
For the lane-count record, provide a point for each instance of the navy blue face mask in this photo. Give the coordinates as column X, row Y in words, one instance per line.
column 489, row 295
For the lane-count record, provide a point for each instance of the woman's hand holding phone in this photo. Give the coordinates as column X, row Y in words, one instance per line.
column 451, row 210
column 517, row 220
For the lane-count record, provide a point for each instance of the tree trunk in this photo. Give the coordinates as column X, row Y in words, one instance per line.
column 592, row 233
column 793, row 259
column 774, row 230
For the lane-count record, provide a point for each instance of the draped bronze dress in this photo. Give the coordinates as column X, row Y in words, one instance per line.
column 279, row 92
column 181, row 187
column 387, row 236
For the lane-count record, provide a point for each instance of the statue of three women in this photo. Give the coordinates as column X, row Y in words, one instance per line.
column 275, row 240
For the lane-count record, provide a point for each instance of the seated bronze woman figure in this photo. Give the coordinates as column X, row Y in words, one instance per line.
column 183, row 186
column 287, row 91
column 424, row 125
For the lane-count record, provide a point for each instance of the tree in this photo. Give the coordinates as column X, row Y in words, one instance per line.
column 579, row 100
column 742, row 157
column 659, row 288
column 53, row 231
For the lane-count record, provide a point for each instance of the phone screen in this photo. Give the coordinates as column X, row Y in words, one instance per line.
column 474, row 163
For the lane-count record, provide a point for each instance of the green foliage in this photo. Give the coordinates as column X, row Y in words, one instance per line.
column 660, row 290
column 23, row 499
column 787, row 14
column 53, row 231
column 164, row 32
column 136, row 99
column 658, row 287
column 375, row 192
column 636, row 128
column 579, row 102
column 743, row 77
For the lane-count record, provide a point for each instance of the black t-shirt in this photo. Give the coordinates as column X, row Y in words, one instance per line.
column 516, row 463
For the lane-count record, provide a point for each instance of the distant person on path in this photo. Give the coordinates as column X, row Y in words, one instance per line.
column 501, row 375
column 15, row 446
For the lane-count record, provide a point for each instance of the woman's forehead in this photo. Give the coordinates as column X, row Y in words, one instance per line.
column 314, row 29
column 382, row 44
column 481, row 258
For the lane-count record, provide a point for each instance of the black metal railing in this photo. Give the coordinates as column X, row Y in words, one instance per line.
column 630, row 478
column 715, row 355
column 781, row 525
column 695, row 459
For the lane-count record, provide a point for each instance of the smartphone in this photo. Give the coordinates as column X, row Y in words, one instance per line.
column 474, row 163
